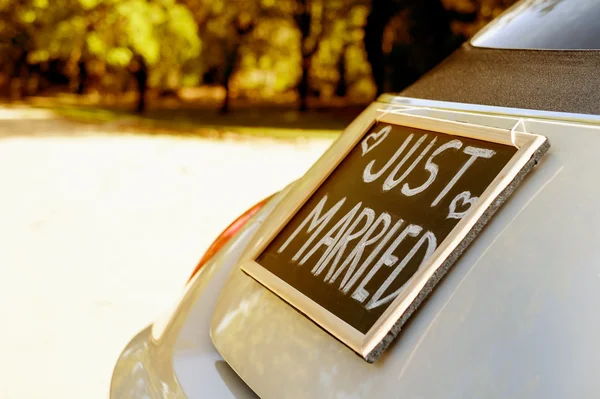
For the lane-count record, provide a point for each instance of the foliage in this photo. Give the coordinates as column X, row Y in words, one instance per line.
column 109, row 34
column 341, row 54
column 254, row 48
column 270, row 58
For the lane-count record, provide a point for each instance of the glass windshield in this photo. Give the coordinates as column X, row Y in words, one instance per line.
column 546, row 25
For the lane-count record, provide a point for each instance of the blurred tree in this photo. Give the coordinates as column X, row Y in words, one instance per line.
column 334, row 51
column 242, row 25
column 352, row 75
column 15, row 43
column 310, row 24
column 223, row 26
column 277, row 53
column 269, row 63
column 151, row 38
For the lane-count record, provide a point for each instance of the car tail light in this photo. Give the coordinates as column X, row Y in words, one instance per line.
column 226, row 235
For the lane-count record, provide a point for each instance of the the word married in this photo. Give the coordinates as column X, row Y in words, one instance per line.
column 363, row 228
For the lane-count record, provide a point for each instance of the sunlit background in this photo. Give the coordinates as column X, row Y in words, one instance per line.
column 133, row 131
column 287, row 51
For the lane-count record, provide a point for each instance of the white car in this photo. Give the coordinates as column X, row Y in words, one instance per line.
column 516, row 315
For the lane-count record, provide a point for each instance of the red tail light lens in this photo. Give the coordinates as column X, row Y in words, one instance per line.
column 226, row 235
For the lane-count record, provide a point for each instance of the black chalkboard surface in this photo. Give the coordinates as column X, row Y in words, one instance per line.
column 365, row 231
column 363, row 238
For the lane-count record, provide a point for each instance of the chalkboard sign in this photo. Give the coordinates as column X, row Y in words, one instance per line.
column 363, row 240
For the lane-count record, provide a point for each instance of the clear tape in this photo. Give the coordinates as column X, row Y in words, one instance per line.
column 513, row 132
column 391, row 110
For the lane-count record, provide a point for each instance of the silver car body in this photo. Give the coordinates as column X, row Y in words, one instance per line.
column 517, row 315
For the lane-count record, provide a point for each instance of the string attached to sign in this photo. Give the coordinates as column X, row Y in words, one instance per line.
column 513, row 132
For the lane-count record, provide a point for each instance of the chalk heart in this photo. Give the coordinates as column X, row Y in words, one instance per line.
column 461, row 201
column 374, row 139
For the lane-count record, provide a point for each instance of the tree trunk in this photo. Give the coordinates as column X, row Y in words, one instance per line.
column 242, row 30
column 303, row 86
column 225, row 106
column 380, row 14
column 18, row 81
column 303, row 21
column 141, row 77
column 229, row 68
column 342, row 86
column 82, row 77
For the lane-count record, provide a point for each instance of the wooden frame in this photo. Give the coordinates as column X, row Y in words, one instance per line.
column 370, row 345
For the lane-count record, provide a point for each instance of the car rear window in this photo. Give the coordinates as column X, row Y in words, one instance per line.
column 545, row 25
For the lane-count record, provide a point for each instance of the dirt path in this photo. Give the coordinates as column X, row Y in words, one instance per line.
column 99, row 232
